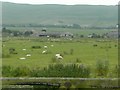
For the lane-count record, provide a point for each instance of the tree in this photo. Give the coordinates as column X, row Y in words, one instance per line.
column 76, row 26
column 28, row 33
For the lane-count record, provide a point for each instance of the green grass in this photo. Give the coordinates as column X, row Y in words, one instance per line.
column 83, row 50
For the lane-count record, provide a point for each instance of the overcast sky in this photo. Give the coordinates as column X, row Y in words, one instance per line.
column 68, row 2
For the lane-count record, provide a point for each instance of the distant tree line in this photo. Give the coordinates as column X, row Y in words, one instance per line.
column 75, row 26
column 7, row 32
column 15, row 33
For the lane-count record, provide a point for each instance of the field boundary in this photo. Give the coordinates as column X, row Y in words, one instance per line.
column 21, row 78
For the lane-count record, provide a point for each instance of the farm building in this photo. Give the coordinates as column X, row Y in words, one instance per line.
column 113, row 34
column 53, row 34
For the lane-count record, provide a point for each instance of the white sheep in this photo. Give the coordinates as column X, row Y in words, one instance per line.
column 28, row 55
column 45, row 51
column 52, row 45
column 48, row 36
column 58, row 56
column 23, row 49
column 45, row 46
column 23, row 58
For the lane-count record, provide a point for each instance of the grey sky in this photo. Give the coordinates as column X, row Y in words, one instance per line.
column 68, row 2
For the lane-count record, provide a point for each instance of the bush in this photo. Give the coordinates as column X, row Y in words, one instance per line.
column 60, row 70
column 20, row 72
column 12, row 51
column 116, row 71
column 56, row 70
column 71, row 51
column 102, row 68
column 36, row 47
column 6, row 71
column 5, row 55
column 78, row 60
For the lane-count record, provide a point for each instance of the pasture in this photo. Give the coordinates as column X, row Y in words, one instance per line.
column 81, row 51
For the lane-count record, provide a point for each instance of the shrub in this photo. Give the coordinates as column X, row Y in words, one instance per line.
column 71, row 51
column 11, row 50
column 21, row 71
column 60, row 70
column 6, row 71
column 67, row 85
column 102, row 68
column 53, row 70
column 5, row 55
column 78, row 60
column 116, row 71
column 36, row 47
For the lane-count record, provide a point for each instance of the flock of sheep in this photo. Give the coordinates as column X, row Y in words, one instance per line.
column 58, row 55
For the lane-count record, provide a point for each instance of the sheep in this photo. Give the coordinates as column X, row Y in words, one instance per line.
column 45, row 46
column 28, row 55
column 52, row 45
column 23, row 49
column 23, row 58
column 58, row 56
column 45, row 51
column 48, row 36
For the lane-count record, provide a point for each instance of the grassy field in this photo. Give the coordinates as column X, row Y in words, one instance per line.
column 85, row 60
column 75, row 51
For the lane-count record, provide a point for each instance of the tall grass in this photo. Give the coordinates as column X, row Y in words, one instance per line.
column 56, row 70
column 60, row 70
column 102, row 67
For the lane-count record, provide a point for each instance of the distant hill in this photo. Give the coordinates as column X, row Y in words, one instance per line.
column 59, row 14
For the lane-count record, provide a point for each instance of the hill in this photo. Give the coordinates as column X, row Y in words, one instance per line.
column 59, row 14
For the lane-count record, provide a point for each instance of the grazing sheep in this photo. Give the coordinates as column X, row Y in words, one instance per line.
column 58, row 56
column 48, row 36
column 52, row 45
column 28, row 55
column 45, row 46
column 22, row 58
column 45, row 51
column 23, row 49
